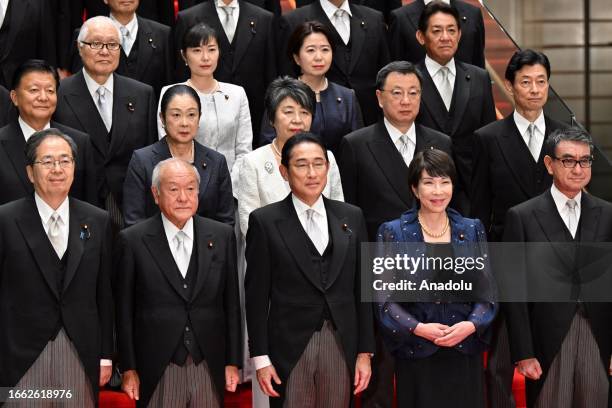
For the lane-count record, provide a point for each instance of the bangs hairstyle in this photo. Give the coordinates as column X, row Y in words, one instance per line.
column 283, row 87
column 296, row 41
column 571, row 134
column 435, row 162
column 34, row 65
column 298, row 139
column 198, row 35
column 437, row 6
column 31, row 146
column 523, row 58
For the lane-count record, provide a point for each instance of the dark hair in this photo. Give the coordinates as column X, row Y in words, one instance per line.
column 283, row 87
column 37, row 138
column 436, row 163
column 402, row 67
column 571, row 134
column 198, row 35
column 298, row 139
column 434, row 7
column 34, row 65
column 526, row 57
column 175, row 90
column 304, row 30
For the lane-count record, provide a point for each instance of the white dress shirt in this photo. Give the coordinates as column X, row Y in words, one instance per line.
column 443, row 1
column 132, row 28
column 539, row 131
column 560, row 200
column 27, row 130
column 3, row 7
column 433, row 68
column 92, row 87
column 329, row 9
column 395, row 135
column 171, row 230
column 223, row 16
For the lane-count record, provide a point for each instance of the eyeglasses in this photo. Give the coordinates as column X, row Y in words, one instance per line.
column 571, row 163
column 98, row 45
column 398, row 94
column 64, row 163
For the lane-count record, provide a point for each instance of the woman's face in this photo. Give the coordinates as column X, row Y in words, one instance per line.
column 202, row 60
column 181, row 118
column 290, row 118
column 315, row 55
column 434, row 193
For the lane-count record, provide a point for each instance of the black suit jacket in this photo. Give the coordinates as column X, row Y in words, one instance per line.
column 285, row 299
column 7, row 111
column 404, row 23
column 29, row 290
column 31, row 34
column 505, row 173
column 374, row 174
column 216, row 200
column 250, row 61
column 134, row 125
column 472, row 107
column 384, row 6
column 152, row 308
column 538, row 329
column 14, row 179
column 368, row 52
column 271, row 5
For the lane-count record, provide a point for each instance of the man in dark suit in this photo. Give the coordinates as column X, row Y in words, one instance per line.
column 373, row 165
column 117, row 112
column 247, row 54
column 5, row 106
column 310, row 337
column 562, row 348
column 273, row 6
column 384, row 6
column 457, row 97
column 34, row 94
column 26, row 31
column 146, row 46
column 360, row 46
column 55, row 275
column 404, row 23
column 178, row 308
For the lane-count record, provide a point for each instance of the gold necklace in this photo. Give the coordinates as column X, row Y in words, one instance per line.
column 431, row 234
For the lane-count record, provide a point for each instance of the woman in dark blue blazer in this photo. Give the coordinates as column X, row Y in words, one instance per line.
column 337, row 111
column 180, row 113
column 438, row 345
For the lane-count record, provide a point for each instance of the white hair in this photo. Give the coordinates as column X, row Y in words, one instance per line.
column 159, row 167
column 95, row 20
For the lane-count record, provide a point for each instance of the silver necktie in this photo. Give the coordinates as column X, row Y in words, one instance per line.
column 125, row 40
column 532, row 141
column 103, row 108
column 341, row 25
column 446, row 89
column 55, row 234
column 181, row 255
column 314, row 232
column 572, row 219
column 229, row 25
column 405, row 149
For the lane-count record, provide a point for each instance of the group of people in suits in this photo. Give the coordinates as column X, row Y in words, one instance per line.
column 238, row 177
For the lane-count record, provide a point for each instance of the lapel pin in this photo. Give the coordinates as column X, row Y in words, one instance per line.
column 203, row 165
column 210, row 245
column 464, row 19
column 130, row 107
column 346, row 228
column 461, row 237
column 468, row 77
column 151, row 43
column 339, row 99
column 226, row 97
column 252, row 24
column 269, row 168
column 363, row 24
column 85, row 233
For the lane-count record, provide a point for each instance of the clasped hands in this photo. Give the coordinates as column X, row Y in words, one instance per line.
column 443, row 335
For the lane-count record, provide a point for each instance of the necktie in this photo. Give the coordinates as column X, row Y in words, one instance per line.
column 572, row 219
column 405, row 149
column 181, row 256
column 55, row 234
column 103, row 108
column 446, row 89
column 314, row 232
column 229, row 25
column 126, row 42
column 341, row 25
column 532, row 141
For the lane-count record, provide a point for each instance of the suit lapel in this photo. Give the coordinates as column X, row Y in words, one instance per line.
column 516, row 154
column 415, row 13
column 358, row 33
column 589, row 216
column 319, row 15
column 547, row 216
column 215, row 23
column 145, row 45
column 19, row 9
column 431, row 99
column 246, row 29
column 200, row 161
column 205, row 253
column 124, row 107
column 14, row 146
column 340, row 239
column 461, row 95
column 75, row 243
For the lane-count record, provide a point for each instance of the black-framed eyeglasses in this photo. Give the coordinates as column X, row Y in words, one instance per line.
column 98, row 45
column 571, row 163
column 64, row 163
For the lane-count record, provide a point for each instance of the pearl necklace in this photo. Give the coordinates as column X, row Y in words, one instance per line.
column 431, row 234
column 275, row 149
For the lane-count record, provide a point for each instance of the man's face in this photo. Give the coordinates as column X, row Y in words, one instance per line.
column 441, row 38
column 400, row 99
column 569, row 180
column 122, row 6
column 177, row 196
column 530, row 88
column 307, row 172
column 35, row 97
column 56, row 180
column 100, row 62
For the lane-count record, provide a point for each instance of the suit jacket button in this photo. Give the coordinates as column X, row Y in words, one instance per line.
column 187, row 328
column 185, row 286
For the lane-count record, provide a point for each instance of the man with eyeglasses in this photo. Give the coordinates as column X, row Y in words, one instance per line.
column 562, row 348
column 33, row 93
column 373, row 165
column 117, row 112
column 56, row 306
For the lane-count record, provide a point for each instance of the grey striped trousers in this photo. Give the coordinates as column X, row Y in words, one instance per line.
column 320, row 379
column 58, row 367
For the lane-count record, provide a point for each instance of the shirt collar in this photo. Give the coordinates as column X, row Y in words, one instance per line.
column 396, row 134
column 560, row 199
column 522, row 123
column 433, row 67
column 132, row 26
column 443, row 1
column 27, row 130
column 171, row 230
column 45, row 211
column 233, row 3
column 330, row 9
column 301, row 207
column 92, row 85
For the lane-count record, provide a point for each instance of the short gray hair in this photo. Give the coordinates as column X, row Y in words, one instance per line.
column 287, row 87
column 37, row 138
column 95, row 20
column 572, row 134
column 159, row 167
